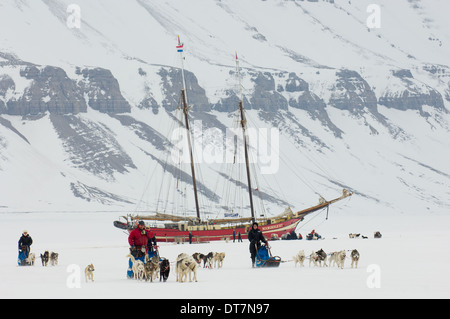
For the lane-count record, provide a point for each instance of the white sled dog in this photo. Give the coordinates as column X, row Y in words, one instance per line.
column 181, row 267
column 89, row 273
column 313, row 258
column 299, row 258
column 337, row 258
column 137, row 268
column 186, row 264
column 30, row 259
column 218, row 259
column 340, row 259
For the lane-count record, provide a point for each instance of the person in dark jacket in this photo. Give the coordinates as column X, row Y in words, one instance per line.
column 141, row 240
column 255, row 236
column 25, row 242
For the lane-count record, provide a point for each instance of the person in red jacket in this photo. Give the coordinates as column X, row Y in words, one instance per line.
column 141, row 240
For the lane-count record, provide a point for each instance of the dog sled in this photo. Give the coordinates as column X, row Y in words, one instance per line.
column 141, row 257
column 264, row 258
column 23, row 255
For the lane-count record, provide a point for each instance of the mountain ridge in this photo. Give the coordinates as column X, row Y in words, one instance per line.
column 92, row 105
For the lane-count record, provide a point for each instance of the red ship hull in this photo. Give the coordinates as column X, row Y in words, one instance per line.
column 176, row 235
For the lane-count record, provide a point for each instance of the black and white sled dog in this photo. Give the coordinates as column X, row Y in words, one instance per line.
column 151, row 267
column 54, row 258
column 354, row 255
column 185, row 265
column 322, row 256
column 208, row 260
column 30, row 259
column 44, row 258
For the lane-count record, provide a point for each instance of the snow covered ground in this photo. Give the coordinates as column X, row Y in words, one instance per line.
column 410, row 261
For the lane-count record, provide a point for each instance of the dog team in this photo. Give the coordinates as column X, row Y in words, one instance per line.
column 185, row 265
column 335, row 258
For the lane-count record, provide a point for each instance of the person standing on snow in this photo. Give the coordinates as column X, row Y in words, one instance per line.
column 255, row 236
column 141, row 241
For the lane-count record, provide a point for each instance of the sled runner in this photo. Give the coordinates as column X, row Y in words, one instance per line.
column 264, row 258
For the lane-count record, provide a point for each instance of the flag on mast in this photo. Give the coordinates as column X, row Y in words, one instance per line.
column 180, row 45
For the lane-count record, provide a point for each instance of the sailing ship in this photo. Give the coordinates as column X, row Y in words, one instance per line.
column 175, row 228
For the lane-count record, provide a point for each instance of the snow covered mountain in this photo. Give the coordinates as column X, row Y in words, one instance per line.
column 88, row 91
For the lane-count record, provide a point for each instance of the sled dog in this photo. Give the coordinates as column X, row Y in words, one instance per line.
column 44, row 258
column 151, row 267
column 181, row 267
column 186, row 264
column 354, row 255
column 207, row 260
column 313, row 258
column 137, row 268
column 337, row 258
column 164, row 269
column 322, row 256
column 54, row 258
column 218, row 259
column 198, row 257
column 89, row 273
column 299, row 258
column 30, row 259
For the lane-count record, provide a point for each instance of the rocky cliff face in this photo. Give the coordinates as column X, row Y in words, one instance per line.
column 41, row 89
column 352, row 93
column 102, row 90
column 50, row 89
column 172, row 84
column 404, row 92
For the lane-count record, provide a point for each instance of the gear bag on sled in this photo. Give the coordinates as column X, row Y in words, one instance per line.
column 264, row 258
column 23, row 255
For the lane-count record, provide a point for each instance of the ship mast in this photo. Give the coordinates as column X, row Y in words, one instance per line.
column 244, row 135
column 186, row 119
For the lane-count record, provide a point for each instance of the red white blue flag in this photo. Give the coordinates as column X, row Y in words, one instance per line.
column 180, row 45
